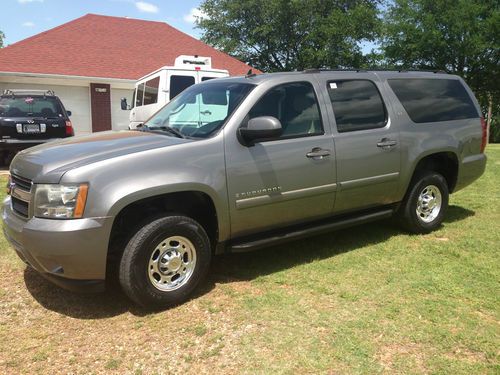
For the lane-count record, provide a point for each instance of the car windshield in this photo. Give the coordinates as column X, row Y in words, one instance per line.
column 199, row 111
column 30, row 106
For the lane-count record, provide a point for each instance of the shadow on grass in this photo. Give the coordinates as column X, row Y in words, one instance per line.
column 224, row 269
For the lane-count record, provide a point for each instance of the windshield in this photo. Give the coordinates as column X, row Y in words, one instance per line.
column 200, row 110
column 30, row 106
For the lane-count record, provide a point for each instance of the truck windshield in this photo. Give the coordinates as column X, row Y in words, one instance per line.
column 200, row 110
column 30, row 106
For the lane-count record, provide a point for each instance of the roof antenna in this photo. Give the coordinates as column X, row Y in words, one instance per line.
column 250, row 74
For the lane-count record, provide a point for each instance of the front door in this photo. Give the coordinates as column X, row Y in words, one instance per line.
column 367, row 143
column 286, row 180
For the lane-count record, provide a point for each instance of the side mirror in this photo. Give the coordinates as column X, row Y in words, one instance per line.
column 260, row 128
column 69, row 113
column 123, row 104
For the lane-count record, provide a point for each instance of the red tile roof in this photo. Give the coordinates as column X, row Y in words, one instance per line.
column 110, row 47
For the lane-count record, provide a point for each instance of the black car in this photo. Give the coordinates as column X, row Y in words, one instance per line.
column 31, row 117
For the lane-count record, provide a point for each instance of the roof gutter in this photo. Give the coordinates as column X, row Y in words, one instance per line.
column 59, row 76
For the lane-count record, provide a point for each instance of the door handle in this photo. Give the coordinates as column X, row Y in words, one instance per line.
column 386, row 143
column 318, row 153
column 207, row 112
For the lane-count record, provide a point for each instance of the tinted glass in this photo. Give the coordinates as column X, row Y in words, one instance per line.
column 200, row 110
column 295, row 105
column 357, row 105
column 178, row 84
column 430, row 100
column 151, row 91
column 140, row 95
column 30, row 106
column 203, row 79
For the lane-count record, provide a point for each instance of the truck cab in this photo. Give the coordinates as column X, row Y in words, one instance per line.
column 156, row 89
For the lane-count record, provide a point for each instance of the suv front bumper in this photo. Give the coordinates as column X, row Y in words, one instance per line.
column 70, row 253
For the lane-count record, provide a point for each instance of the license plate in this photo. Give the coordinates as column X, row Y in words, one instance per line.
column 31, row 128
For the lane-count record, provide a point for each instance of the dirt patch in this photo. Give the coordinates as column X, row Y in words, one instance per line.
column 389, row 355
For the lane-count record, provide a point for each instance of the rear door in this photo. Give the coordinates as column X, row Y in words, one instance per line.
column 366, row 140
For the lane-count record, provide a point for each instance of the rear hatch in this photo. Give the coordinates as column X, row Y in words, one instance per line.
column 32, row 118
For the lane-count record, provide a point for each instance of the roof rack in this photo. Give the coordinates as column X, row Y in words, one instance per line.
column 359, row 70
column 14, row 92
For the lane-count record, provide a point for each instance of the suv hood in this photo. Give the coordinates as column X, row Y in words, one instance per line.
column 48, row 162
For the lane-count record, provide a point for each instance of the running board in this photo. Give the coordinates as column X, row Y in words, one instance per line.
column 295, row 233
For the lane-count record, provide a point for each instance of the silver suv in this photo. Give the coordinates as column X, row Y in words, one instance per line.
column 282, row 156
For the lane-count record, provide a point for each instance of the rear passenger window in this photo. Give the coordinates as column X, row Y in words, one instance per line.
column 295, row 105
column 432, row 100
column 357, row 105
column 151, row 91
column 140, row 95
column 178, row 84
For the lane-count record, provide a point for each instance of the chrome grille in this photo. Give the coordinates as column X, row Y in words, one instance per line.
column 22, row 183
column 20, row 195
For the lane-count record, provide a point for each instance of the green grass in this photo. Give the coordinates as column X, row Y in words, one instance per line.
column 370, row 299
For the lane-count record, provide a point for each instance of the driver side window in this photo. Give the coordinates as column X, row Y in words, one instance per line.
column 295, row 105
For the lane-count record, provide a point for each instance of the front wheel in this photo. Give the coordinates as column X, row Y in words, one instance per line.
column 425, row 204
column 164, row 261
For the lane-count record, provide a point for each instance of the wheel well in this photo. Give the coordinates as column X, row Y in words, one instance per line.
column 444, row 163
column 197, row 205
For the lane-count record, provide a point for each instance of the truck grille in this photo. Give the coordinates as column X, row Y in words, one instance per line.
column 22, row 183
column 20, row 195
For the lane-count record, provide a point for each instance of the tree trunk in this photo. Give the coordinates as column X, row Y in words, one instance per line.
column 488, row 119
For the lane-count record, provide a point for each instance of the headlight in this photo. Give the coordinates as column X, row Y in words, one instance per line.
column 60, row 201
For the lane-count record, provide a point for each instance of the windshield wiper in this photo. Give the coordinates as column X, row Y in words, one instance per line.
column 167, row 129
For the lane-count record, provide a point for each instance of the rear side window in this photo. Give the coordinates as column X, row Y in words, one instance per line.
column 295, row 105
column 30, row 106
column 357, row 105
column 151, row 91
column 178, row 84
column 203, row 79
column 432, row 100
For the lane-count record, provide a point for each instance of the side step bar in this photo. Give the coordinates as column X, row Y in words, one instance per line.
column 295, row 233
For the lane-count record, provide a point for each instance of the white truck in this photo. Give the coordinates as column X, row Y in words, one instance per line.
column 156, row 89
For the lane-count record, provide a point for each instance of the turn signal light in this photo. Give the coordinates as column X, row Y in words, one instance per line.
column 484, row 139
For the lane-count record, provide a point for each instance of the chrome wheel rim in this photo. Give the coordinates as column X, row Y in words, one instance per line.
column 429, row 204
column 171, row 263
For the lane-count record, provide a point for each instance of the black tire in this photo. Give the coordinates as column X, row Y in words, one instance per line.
column 135, row 274
column 407, row 213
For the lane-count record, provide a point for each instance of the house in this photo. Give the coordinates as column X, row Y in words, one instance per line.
column 93, row 61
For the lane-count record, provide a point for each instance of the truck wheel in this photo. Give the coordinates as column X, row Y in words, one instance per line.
column 425, row 204
column 164, row 261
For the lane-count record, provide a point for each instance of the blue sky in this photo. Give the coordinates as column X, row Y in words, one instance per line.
column 20, row 19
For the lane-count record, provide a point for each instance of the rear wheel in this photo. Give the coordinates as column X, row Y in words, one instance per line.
column 164, row 261
column 425, row 204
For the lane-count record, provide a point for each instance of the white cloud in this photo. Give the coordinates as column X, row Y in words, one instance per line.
column 193, row 15
column 28, row 24
column 29, row 1
column 146, row 7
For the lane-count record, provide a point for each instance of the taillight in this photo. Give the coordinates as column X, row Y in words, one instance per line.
column 9, row 185
column 69, row 129
column 484, row 139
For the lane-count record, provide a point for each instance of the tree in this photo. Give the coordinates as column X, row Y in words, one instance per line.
column 2, row 37
column 284, row 35
column 459, row 36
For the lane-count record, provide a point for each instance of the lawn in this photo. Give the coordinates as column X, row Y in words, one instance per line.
column 370, row 299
